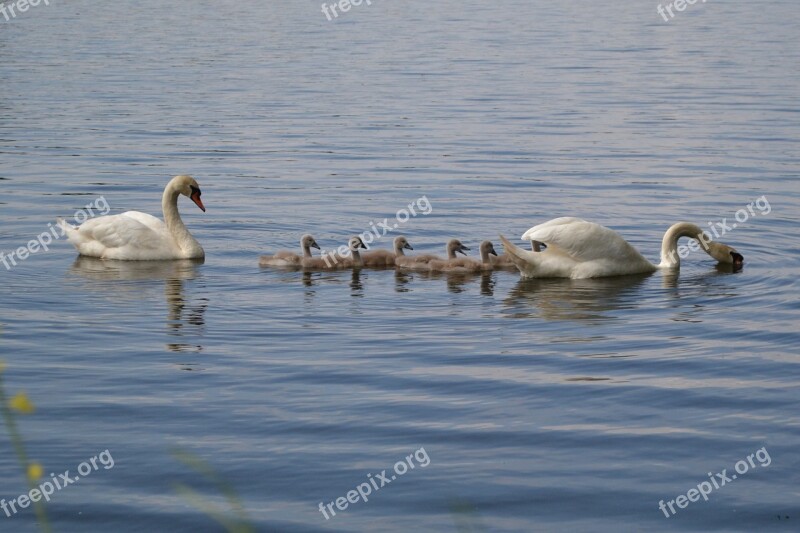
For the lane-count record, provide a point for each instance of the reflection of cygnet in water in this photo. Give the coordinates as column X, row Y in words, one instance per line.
column 290, row 259
column 422, row 262
column 334, row 262
column 467, row 264
column 385, row 258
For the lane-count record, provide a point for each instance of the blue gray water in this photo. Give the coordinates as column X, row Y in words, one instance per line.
column 542, row 405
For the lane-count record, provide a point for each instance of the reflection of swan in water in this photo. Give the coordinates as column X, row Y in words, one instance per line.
column 574, row 299
column 690, row 298
column 126, row 280
column 670, row 277
column 101, row 270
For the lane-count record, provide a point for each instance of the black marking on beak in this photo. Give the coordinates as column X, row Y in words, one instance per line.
column 738, row 259
column 195, row 197
column 315, row 245
column 407, row 246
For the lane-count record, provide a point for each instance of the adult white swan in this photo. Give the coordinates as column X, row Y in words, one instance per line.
column 579, row 249
column 135, row 236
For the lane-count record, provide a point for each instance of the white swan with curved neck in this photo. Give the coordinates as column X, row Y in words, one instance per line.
column 579, row 249
column 135, row 236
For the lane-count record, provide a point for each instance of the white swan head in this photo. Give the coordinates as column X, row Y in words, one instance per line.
column 725, row 254
column 454, row 246
column 307, row 242
column 188, row 186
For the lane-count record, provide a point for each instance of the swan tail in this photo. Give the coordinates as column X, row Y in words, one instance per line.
column 72, row 233
column 66, row 228
column 524, row 260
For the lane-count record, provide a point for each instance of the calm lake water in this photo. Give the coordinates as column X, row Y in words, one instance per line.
column 547, row 405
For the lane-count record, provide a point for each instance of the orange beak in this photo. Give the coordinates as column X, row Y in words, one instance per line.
column 195, row 197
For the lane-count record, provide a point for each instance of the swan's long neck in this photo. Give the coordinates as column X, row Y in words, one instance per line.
column 669, row 245
column 184, row 239
column 306, row 246
column 451, row 252
column 485, row 257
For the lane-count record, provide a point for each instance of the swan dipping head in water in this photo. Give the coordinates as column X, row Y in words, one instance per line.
column 579, row 249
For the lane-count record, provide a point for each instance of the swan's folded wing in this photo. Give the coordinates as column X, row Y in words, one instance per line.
column 155, row 224
column 554, row 222
column 578, row 239
column 126, row 229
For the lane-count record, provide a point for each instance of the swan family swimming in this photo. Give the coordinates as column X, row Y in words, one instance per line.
column 565, row 247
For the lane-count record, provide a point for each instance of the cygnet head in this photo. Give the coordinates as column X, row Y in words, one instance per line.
column 725, row 254
column 307, row 242
column 400, row 244
column 355, row 243
column 487, row 249
column 455, row 246
column 188, row 186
